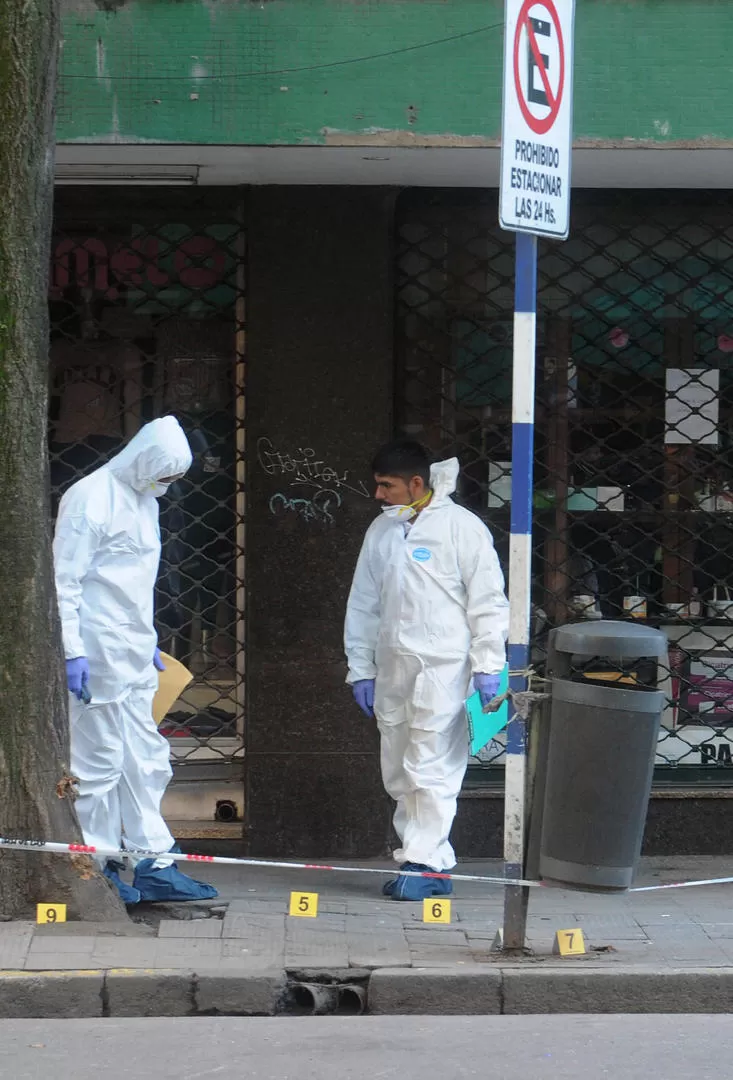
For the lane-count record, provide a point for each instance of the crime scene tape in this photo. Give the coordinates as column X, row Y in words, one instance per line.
column 682, row 884
column 223, row 860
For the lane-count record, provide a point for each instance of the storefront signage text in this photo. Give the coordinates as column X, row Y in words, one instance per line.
column 197, row 262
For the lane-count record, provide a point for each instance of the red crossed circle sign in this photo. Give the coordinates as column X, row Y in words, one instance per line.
column 542, row 125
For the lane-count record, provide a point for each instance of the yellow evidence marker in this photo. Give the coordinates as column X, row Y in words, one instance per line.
column 569, row 943
column 304, row 904
column 436, row 911
column 50, row 913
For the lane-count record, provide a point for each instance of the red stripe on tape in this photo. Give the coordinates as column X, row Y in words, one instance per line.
column 316, row 866
column 200, row 858
column 82, row 847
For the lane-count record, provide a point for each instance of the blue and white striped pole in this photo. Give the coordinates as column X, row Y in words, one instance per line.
column 520, row 569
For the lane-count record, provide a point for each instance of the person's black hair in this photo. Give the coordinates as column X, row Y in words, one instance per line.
column 404, row 458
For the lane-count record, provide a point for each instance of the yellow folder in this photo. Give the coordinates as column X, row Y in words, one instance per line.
column 171, row 684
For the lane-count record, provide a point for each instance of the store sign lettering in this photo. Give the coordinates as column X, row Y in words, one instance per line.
column 198, row 263
column 710, row 754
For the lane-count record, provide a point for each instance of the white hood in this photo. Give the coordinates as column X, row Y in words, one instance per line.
column 443, row 478
column 159, row 449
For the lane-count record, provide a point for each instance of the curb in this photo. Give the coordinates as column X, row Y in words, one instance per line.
column 137, row 992
column 51, row 994
column 472, row 991
column 535, row 991
column 475, row 990
column 619, row 990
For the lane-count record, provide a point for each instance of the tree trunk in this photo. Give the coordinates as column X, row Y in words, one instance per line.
column 34, row 799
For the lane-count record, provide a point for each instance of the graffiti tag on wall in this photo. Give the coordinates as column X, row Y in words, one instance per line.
column 305, row 469
column 319, row 508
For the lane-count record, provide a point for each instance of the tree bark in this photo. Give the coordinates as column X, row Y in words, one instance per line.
column 34, row 797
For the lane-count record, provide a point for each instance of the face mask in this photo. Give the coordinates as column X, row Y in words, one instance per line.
column 407, row 513
column 404, row 513
column 157, row 489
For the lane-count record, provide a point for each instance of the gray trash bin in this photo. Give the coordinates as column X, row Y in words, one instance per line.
column 600, row 751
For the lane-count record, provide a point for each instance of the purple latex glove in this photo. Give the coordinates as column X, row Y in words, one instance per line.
column 364, row 696
column 487, row 686
column 77, row 677
column 158, row 661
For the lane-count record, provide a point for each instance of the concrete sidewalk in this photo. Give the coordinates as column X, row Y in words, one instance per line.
column 668, row 951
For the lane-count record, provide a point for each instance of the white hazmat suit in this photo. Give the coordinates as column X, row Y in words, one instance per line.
column 426, row 611
column 106, row 556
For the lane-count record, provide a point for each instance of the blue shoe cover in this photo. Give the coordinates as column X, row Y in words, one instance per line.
column 128, row 893
column 389, row 886
column 418, row 889
column 168, row 884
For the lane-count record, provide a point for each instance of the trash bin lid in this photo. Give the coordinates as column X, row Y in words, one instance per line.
column 611, row 638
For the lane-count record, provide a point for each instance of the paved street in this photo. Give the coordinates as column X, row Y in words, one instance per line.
column 371, row 1048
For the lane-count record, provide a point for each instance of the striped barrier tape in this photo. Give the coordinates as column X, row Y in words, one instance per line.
column 223, row 860
column 682, row 884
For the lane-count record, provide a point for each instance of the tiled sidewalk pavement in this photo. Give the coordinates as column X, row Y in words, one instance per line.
column 359, row 929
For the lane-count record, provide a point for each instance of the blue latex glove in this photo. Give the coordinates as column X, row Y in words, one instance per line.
column 487, row 686
column 157, row 661
column 364, row 696
column 77, row 677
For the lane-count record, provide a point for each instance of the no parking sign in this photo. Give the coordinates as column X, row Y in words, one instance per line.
column 537, row 117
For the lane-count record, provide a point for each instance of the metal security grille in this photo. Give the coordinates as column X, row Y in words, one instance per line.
column 147, row 318
column 634, row 439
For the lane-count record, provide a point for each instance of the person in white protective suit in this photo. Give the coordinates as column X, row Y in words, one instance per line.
column 426, row 612
column 106, row 556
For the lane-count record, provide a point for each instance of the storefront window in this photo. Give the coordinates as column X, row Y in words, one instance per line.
column 146, row 302
column 634, row 428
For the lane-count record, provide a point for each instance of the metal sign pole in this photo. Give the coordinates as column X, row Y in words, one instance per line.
column 520, row 573
column 534, row 200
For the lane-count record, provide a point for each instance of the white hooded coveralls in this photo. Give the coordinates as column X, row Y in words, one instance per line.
column 106, row 556
column 426, row 611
